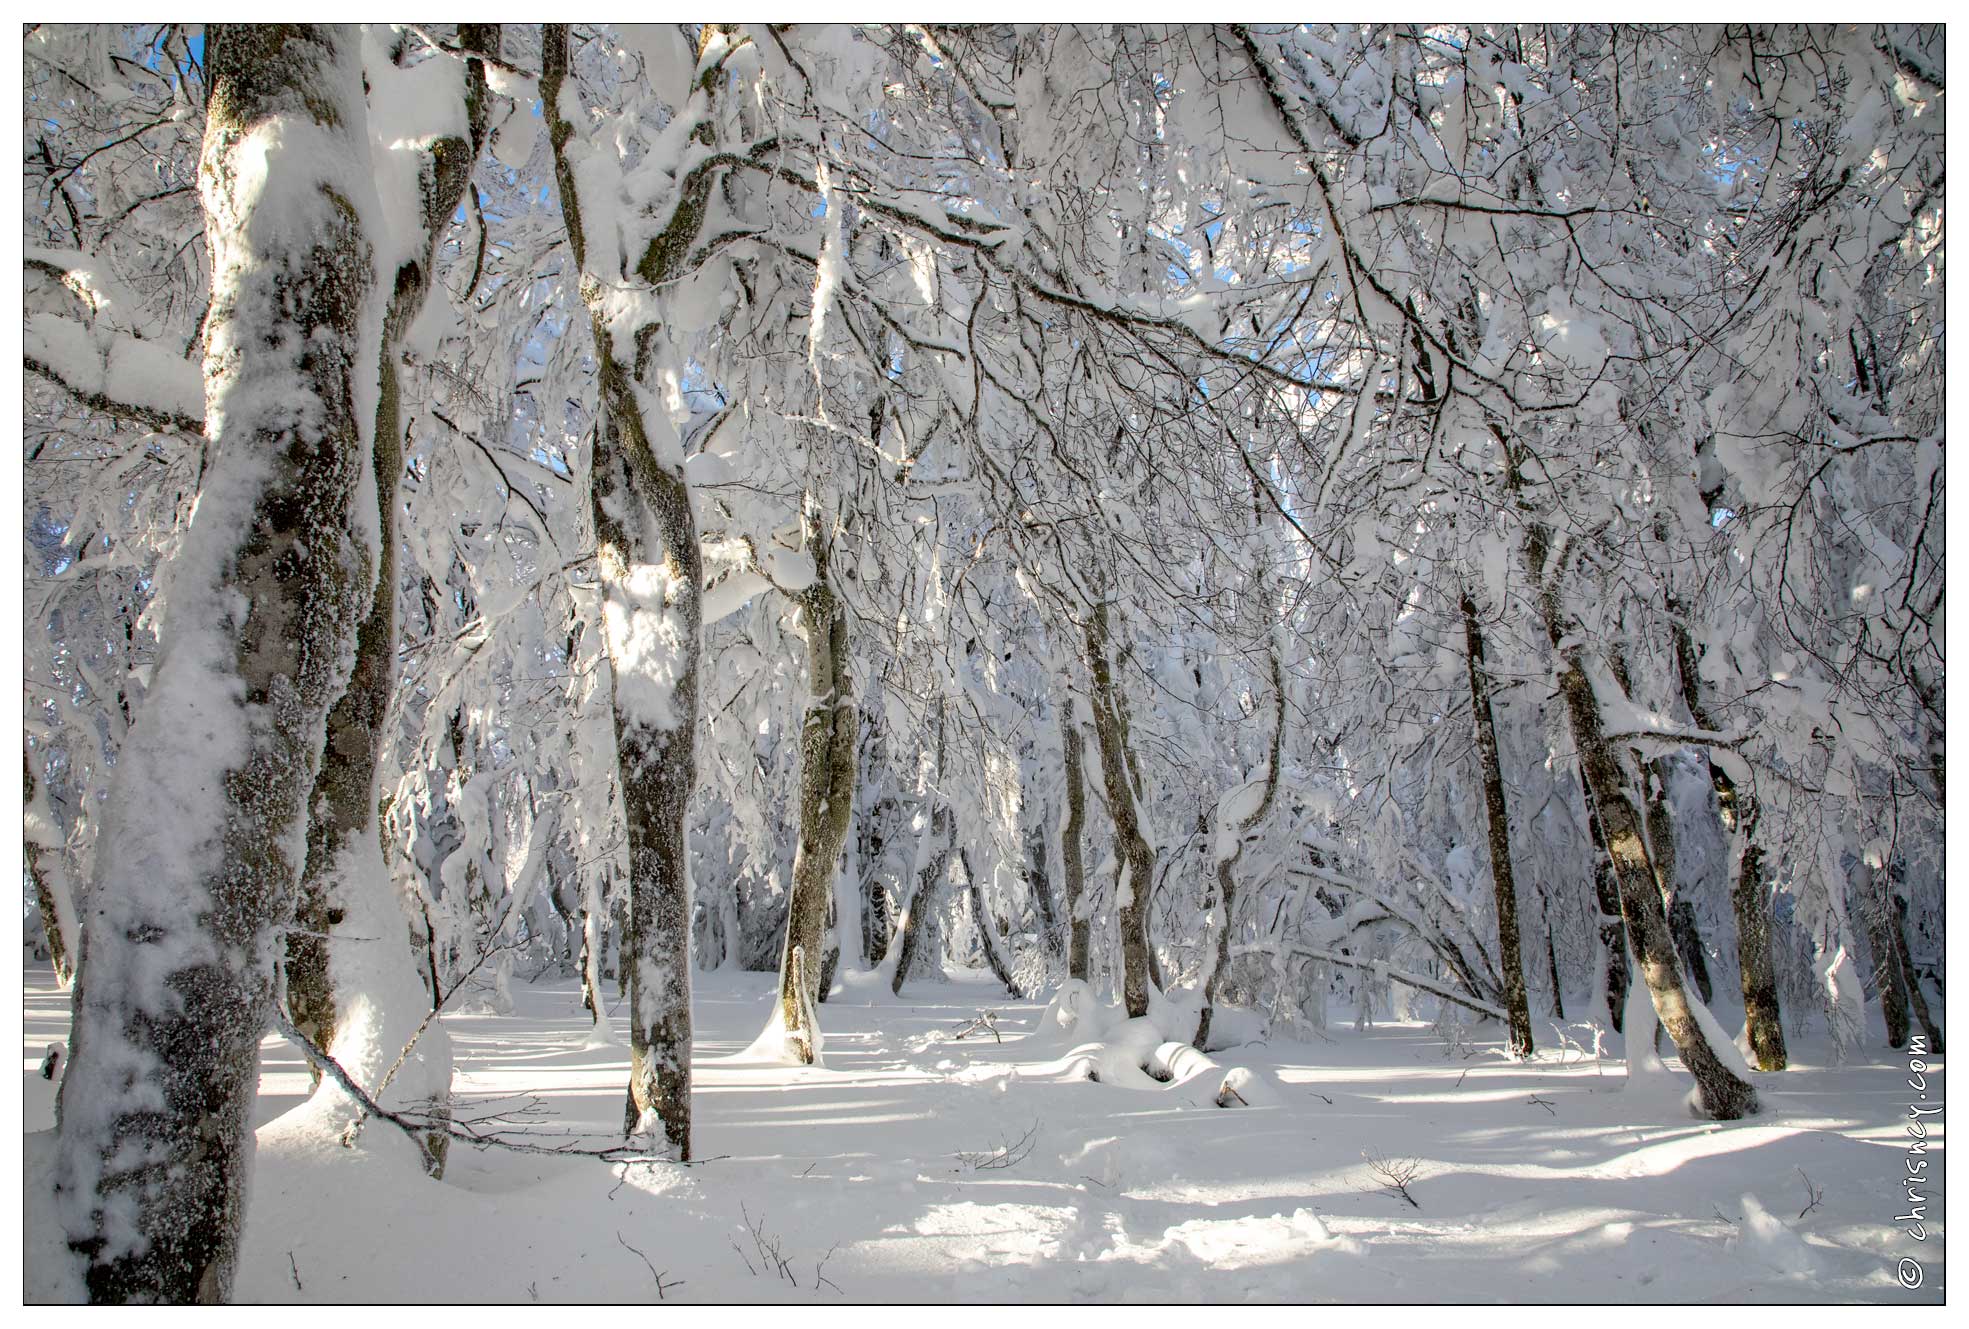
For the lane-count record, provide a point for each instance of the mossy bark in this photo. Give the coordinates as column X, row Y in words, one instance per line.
column 827, row 789
column 343, row 806
column 176, row 993
column 644, row 522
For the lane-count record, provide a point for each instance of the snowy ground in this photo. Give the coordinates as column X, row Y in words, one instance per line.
column 1539, row 1182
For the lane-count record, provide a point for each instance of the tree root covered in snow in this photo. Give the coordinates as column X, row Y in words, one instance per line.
column 1150, row 1052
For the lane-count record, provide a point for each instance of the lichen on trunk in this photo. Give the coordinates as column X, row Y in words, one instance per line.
column 177, row 980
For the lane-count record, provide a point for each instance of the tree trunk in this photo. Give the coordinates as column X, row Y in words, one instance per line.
column 1137, row 859
column 1226, row 858
column 1039, row 886
column 1552, row 967
column 1612, row 785
column 924, row 901
column 1001, row 968
column 342, row 880
column 1739, row 812
column 656, row 759
column 1072, row 866
column 652, row 579
column 827, row 789
column 198, row 869
column 1921, row 1011
column 1517, row 1003
column 1614, row 972
column 1888, row 975
column 51, row 894
column 1688, row 945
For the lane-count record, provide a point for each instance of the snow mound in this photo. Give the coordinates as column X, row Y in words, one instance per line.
column 1765, row 1237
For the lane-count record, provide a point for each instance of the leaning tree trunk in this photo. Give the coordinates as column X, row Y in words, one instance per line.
column 1137, row 859
column 1001, row 967
column 1504, row 889
column 827, row 796
column 1227, row 857
column 344, row 880
column 1739, row 812
column 1614, row 973
column 926, row 899
column 1612, row 783
column 652, row 578
column 200, row 856
column 1073, row 867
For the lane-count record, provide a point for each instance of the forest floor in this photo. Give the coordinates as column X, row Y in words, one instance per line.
column 886, row 1175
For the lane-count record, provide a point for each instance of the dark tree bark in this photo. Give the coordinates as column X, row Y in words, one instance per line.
column 924, row 901
column 1613, row 928
column 827, row 793
column 1220, row 958
column 1039, row 885
column 1137, row 859
column 1913, row 979
column 1739, row 812
column 1889, row 978
column 1688, row 944
column 1072, row 866
column 1504, row 890
column 1001, row 968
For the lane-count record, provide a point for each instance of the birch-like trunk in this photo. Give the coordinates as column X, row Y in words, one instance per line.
column 1613, row 784
column 202, row 851
column 1504, row 888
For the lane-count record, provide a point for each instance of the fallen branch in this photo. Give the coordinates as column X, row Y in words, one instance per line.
column 1009, row 1153
column 418, row 1126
